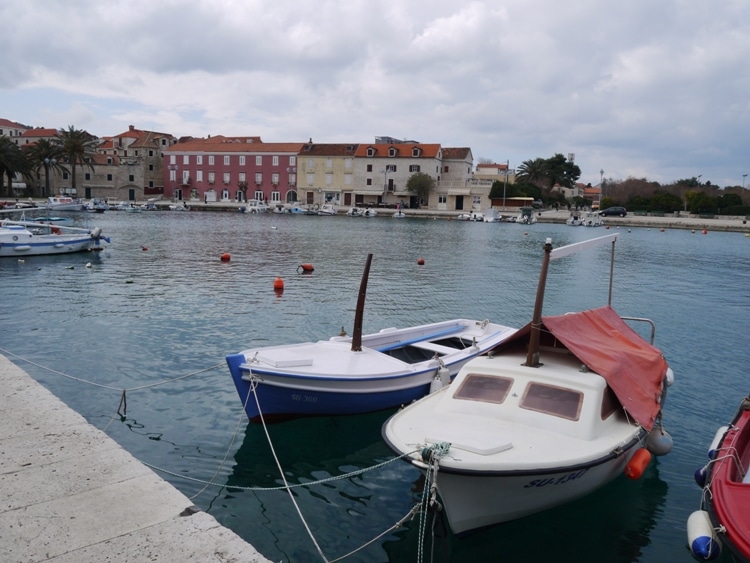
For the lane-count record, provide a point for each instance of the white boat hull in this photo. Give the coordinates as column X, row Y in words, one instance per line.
column 19, row 241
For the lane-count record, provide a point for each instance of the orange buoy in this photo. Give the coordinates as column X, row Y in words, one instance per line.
column 305, row 267
column 638, row 464
column 225, row 257
column 420, row 261
column 278, row 284
column 705, row 232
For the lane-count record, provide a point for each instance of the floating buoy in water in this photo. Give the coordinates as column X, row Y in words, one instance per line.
column 661, row 230
column 225, row 257
column 305, row 268
column 144, row 248
column 420, row 261
column 702, row 538
column 278, row 285
column 638, row 464
column 88, row 264
column 704, row 232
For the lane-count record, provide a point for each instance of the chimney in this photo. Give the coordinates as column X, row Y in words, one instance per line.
column 131, row 127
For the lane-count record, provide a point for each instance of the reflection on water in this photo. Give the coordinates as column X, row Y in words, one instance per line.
column 138, row 317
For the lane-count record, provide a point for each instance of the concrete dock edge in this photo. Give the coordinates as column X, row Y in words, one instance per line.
column 71, row 494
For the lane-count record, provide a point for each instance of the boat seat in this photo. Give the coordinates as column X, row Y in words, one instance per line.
column 432, row 347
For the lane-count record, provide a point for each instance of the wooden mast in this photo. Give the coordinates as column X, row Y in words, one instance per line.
column 359, row 314
column 532, row 357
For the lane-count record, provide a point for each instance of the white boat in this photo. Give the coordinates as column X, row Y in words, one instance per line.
column 473, row 216
column 327, row 209
column 254, row 206
column 399, row 214
column 359, row 373
column 527, row 216
column 28, row 238
column 355, row 211
column 575, row 219
column 128, row 207
column 593, row 220
column 369, row 212
column 63, row 203
column 492, row 216
column 559, row 410
column 95, row 206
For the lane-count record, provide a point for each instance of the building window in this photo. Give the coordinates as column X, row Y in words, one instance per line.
column 392, row 152
column 310, row 179
column 292, row 179
column 131, row 178
column 348, row 179
column 292, row 161
column 172, row 175
column 258, row 160
column 109, row 177
column 210, row 177
column 199, row 175
column 442, row 199
column 65, row 175
column 310, row 164
column 199, row 159
column 259, row 195
column 150, row 153
column 210, row 160
column 163, row 142
column 150, row 183
column 275, row 179
column 226, row 160
column 329, row 163
column 87, row 176
column 369, row 167
column 445, row 169
column 415, row 152
column 109, row 160
column 135, row 153
column 370, row 151
column 390, row 168
column 414, row 168
column 258, row 178
column 242, row 160
column 185, row 159
column 276, row 197
column 329, row 179
column 348, row 163
column 242, row 175
column 151, row 167
column 369, row 181
column 275, row 161
column 226, row 177
column 172, row 159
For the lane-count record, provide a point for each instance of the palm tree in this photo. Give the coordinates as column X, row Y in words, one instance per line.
column 45, row 154
column 12, row 161
column 533, row 172
column 77, row 147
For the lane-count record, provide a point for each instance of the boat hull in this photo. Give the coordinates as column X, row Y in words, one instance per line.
column 19, row 242
column 477, row 500
column 727, row 490
column 328, row 378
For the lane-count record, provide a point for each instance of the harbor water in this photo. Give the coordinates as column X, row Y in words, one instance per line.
column 134, row 338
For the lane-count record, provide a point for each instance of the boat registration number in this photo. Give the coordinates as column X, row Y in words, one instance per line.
column 304, row 398
column 556, row 480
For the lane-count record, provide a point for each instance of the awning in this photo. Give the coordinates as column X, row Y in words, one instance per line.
column 460, row 191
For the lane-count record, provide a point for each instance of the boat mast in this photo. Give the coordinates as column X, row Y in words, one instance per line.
column 532, row 357
column 359, row 314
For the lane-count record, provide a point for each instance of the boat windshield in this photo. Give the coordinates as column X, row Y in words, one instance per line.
column 553, row 400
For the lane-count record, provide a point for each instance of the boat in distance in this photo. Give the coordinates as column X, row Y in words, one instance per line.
column 26, row 238
column 560, row 409
column 724, row 519
column 360, row 373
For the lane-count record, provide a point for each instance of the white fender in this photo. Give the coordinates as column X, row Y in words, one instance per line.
column 702, row 539
column 715, row 442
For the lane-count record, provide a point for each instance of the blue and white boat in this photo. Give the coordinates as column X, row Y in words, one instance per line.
column 26, row 238
column 358, row 374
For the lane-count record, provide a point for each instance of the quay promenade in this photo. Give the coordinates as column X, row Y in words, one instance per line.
column 73, row 495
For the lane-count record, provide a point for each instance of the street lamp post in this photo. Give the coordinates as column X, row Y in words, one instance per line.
column 699, row 178
column 743, row 180
column 505, row 185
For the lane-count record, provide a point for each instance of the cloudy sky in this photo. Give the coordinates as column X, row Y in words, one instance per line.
column 644, row 88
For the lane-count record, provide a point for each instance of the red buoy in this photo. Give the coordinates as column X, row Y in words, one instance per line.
column 144, row 248
column 704, row 231
column 420, row 261
column 278, row 284
column 225, row 257
column 305, row 268
column 638, row 464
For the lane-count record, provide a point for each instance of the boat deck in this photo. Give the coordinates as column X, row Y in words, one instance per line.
column 72, row 495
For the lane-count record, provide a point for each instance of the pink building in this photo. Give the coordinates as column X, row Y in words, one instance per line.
column 231, row 169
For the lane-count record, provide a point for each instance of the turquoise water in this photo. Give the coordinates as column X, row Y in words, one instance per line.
column 138, row 317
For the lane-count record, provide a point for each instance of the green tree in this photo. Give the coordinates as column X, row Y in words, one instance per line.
column 12, row 161
column 78, row 147
column 546, row 173
column 421, row 184
column 532, row 172
column 665, row 202
column 45, row 154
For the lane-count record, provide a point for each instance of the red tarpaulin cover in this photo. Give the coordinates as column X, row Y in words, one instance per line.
column 632, row 367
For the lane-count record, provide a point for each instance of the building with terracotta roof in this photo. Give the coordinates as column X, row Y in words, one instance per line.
column 325, row 173
column 231, row 169
column 12, row 129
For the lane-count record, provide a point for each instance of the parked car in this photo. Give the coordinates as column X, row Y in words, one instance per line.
column 619, row 211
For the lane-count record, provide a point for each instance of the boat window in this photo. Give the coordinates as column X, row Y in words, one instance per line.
column 553, row 400
column 484, row 388
column 610, row 403
column 455, row 342
column 411, row 354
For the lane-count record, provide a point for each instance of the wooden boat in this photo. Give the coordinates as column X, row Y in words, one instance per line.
column 565, row 406
column 357, row 374
column 28, row 238
column 724, row 521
